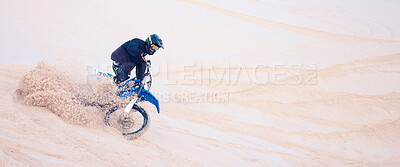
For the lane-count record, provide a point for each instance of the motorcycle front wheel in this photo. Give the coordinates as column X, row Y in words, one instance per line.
column 131, row 125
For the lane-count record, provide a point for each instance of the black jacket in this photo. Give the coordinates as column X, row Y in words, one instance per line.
column 129, row 53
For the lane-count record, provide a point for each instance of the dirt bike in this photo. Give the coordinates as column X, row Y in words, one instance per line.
column 132, row 120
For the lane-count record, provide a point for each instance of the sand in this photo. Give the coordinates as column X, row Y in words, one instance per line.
column 240, row 83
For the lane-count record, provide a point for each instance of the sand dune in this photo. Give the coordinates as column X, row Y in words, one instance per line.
column 240, row 83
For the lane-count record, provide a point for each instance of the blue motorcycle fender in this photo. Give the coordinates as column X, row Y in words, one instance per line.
column 144, row 94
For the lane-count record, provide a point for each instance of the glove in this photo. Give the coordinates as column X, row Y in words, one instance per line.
column 143, row 55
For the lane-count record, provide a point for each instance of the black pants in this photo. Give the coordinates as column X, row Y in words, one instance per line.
column 122, row 75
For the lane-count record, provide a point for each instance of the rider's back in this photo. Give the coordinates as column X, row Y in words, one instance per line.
column 129, row 53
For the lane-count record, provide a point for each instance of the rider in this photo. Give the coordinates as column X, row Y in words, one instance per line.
column 132, row 54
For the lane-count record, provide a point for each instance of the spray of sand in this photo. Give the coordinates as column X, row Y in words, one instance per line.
column 53, row 88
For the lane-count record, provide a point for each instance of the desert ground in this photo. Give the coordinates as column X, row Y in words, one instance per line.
column 240, row 83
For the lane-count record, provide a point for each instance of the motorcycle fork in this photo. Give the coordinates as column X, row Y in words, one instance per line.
column 135, row 98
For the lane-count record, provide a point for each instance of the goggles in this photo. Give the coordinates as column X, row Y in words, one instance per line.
column 154, row 47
